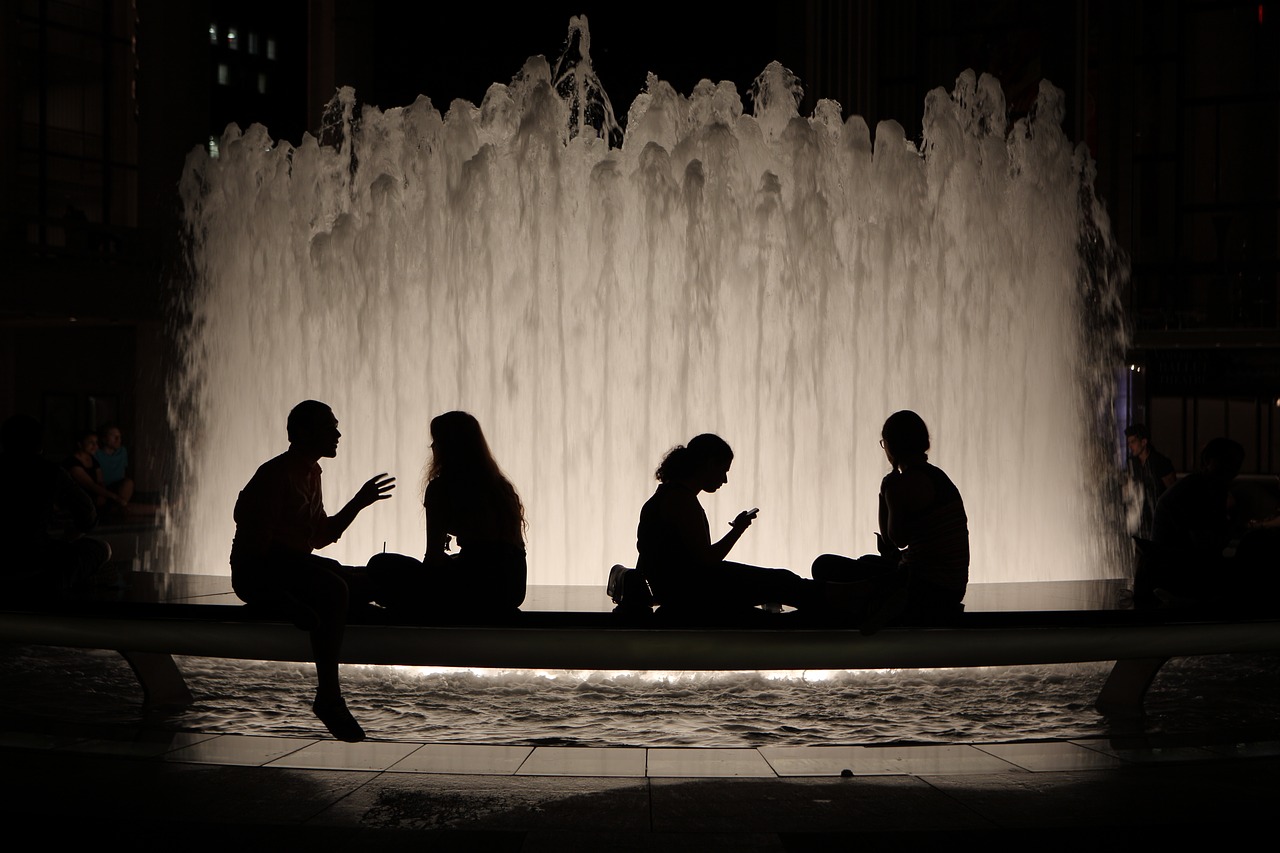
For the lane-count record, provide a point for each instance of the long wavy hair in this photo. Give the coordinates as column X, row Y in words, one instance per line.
column 459, row 451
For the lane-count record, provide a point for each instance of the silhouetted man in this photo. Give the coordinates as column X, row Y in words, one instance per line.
column 1193, row 526
column 280, row 519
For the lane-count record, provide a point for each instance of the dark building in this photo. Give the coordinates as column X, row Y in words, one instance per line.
column 100, row 101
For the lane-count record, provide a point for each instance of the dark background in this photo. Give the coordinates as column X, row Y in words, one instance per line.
column 100, row 101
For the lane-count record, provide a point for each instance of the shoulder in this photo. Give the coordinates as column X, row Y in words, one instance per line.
column 671, row 495
column 910, row 489
column 1159, row 464
column 280, row 470
column 440, row 492
column 939, row 476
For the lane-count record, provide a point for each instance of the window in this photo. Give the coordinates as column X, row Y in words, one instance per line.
column 213, row 34
column 233, row 39
column 253, row 44
column 271, row 48
column 262, row 84
column 224, row 74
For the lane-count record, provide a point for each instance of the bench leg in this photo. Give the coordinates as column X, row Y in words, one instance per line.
column 161, row 680
column 1126, row 687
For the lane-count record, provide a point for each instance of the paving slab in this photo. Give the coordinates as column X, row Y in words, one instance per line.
column 431, row 801
column 805, row 805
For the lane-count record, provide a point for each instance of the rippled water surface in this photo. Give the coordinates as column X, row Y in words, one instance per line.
column 1209, row 694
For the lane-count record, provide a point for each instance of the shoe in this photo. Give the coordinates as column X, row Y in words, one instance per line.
column 338, row 720
column 616, row 583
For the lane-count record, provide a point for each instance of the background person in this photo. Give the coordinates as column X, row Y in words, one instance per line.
column 113, row 461
column 1151, row 471
column 84, row 469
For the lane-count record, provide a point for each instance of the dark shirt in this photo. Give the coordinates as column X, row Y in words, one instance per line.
column 477, row 514
column 1150, row 476
column 281, row 510
column 673, row 538
column 1191, row 520
column 938, row 552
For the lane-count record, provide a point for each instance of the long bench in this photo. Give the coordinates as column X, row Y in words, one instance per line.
column 149, row 635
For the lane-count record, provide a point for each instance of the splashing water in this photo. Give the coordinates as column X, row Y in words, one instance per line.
column 769, row 277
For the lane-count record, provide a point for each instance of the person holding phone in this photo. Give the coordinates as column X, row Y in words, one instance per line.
column 686, row 570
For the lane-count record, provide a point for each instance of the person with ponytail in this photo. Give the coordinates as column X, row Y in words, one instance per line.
column 686, row 570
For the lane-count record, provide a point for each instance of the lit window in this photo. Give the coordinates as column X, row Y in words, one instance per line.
column 262, row 84
column 233, row 40
column 213, row 147
column 271, row 48
column 224, row 74
column 213, row 34
column 253, row 43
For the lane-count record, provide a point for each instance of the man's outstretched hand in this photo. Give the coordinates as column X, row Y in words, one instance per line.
column 377, row 488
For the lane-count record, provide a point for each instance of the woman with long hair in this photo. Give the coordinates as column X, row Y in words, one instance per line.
column 922, row 569
column 468, row 499
column 685, row 569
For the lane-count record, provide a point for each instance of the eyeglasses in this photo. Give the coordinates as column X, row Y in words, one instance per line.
column 883, row 446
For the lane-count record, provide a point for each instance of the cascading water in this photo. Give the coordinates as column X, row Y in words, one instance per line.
column 768, row 277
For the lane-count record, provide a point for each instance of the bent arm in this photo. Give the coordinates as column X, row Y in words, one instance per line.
column 721, row 549
column 737, row 527
column 376, row 488
column 91, row 485
column 434, row 502
column 75, row 501
column 902, row 496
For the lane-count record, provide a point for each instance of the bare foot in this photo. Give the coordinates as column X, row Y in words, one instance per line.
column 338, row 720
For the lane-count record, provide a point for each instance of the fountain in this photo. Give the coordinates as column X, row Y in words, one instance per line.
column 773, row 278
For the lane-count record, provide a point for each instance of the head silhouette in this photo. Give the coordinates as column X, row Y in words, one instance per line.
column 906, row 438
column 1137, row 438
column 87, row 441
column 703, row 453
column 458, row 446
column 460, row 453
column 313, row 428
column 1222, row 458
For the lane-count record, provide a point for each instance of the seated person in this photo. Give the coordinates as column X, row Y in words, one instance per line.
column 113, row 461
column 280, row 518
column 467, row 498
column 33, row 490
column 117, row 475
column 684, row 568
column 922, row 570
column 1151, row 471
column 83, row 467
column 1191, row 556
